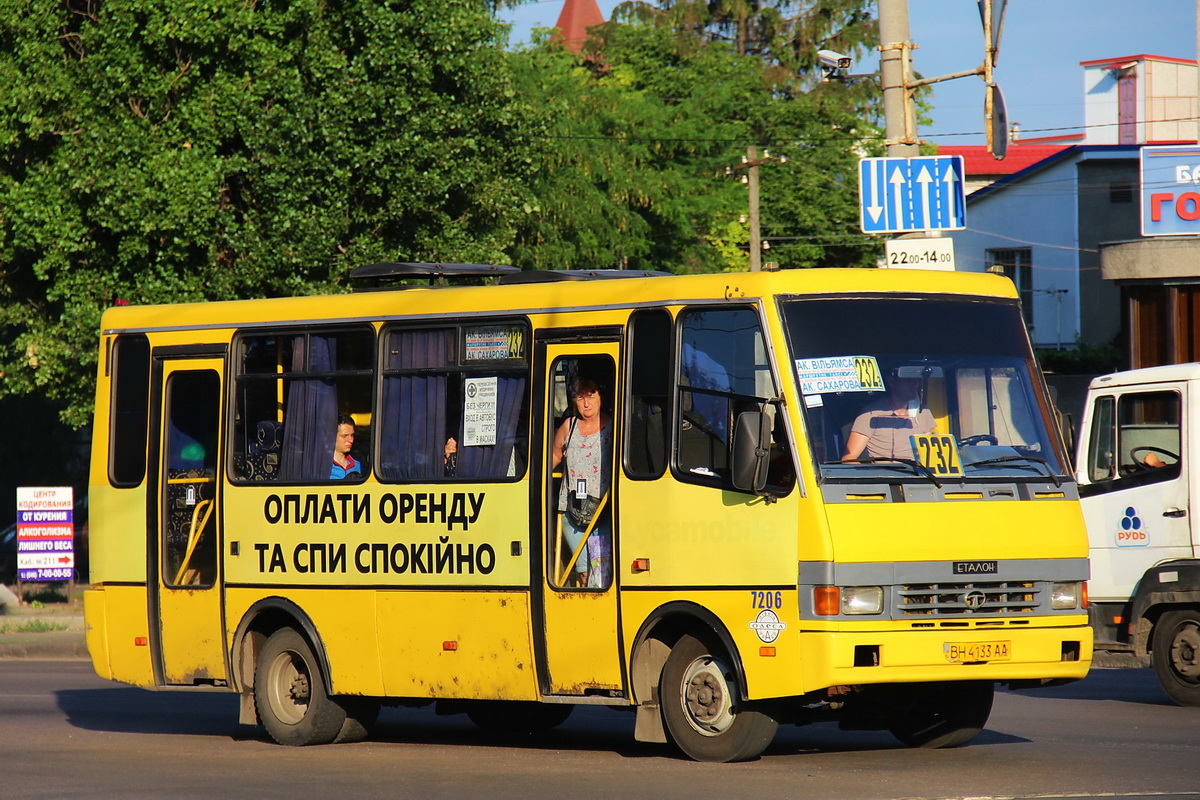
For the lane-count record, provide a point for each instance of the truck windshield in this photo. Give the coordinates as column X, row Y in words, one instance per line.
column 921, row 389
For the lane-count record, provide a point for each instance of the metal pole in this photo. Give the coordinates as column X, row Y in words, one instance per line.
column 1058, row 336
column 895, row 46
column 752, row 185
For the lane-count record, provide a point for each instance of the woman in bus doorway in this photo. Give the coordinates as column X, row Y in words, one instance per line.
column 584, row 442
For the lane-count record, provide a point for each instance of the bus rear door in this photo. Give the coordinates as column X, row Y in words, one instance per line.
column 185, row 598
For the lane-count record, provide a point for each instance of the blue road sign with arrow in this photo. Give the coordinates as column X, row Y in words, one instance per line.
column 898, row 195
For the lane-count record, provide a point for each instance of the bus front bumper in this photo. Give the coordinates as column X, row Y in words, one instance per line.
column 841, row 658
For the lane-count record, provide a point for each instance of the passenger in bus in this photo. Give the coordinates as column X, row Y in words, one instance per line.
column 584, row 442
column 344, row 464
column 883, row 427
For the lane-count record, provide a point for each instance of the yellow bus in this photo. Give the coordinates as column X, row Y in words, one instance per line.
column 742, row 553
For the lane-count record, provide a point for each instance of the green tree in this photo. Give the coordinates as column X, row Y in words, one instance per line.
column 155, row 152
column 785, row 34
column 631, row 172
column 641, row 132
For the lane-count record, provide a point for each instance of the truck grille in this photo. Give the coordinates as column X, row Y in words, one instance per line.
column 968, row 599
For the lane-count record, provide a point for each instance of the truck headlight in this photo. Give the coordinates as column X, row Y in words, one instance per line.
column 862, row 600
column 1064, row 595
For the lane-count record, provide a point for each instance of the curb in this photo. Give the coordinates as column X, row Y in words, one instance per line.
column 67, row 644
column 56, row 646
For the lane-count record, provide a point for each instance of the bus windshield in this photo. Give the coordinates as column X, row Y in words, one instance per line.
column 921, row 389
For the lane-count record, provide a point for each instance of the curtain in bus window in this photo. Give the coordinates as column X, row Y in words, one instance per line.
column 310, row 416
column 413, row 430
column 494, row 461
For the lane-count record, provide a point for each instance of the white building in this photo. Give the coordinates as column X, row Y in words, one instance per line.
column 1045, row 224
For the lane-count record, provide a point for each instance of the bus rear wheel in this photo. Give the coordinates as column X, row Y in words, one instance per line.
column 702, row 710
column 361, row 715
column 946, row 714
column 1176, row 655
column 289, row 693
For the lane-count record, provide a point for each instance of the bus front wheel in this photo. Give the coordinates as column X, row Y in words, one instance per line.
column 1176, row 655
column 702, row 710
column 946, row 714
column 289, row 693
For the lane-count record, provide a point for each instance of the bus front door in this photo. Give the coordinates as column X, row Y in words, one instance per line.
column 579, row 609
column 186, row 597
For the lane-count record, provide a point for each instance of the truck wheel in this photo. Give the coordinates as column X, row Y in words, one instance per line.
column 289, row 693
column 946, row 714
column 702, row 710
column 1176, row 655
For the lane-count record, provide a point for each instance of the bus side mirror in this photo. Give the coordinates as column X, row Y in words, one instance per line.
column 751, row 447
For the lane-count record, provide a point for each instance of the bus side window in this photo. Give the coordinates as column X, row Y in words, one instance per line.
column 723, row 369
column 648, row 428
column 416, row 384
column 291, row 388
column 454, row 403
column 129, row 407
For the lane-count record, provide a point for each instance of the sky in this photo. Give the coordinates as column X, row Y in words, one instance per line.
column 1038, row 67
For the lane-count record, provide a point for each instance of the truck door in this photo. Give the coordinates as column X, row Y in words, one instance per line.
column 1133, row 476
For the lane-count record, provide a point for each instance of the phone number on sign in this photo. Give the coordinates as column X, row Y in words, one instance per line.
column 55, row 574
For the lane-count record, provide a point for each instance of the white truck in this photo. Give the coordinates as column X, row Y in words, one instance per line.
column 1139, row 433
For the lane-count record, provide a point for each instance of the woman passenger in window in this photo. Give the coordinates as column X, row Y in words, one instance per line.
column 584, row 441
column 344, row 464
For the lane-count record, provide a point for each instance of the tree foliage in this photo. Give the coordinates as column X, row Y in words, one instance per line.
column 198, row 150
column 645, row 136
column 188, row 151
column 784, row 34
column 631, row 173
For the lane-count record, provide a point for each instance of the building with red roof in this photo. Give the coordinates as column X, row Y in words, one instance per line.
column 573, row 23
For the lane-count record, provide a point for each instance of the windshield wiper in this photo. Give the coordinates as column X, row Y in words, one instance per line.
column 917, row 467
column 1031, row 459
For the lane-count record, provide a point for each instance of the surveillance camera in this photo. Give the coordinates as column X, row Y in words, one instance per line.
column 833, row 60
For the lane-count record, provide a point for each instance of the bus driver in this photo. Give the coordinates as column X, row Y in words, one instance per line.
column 883, row 427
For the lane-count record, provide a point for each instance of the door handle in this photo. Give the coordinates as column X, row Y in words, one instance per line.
column 1175, row 512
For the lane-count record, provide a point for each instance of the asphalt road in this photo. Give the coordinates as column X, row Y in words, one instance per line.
column 65, row 733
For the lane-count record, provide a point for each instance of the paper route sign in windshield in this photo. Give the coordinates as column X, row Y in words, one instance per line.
column 839, row 374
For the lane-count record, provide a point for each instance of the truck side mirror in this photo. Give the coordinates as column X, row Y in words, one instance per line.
column 751, row 447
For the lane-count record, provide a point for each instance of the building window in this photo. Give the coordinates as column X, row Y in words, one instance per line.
column 1016, row 263
column 1163, row 324
column 1120, row 193
column 1127, row 108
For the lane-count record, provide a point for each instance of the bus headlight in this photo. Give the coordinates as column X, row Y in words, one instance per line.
column 862, row 600
column 1064, row 595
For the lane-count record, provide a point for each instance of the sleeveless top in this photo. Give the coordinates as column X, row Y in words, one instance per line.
column 586, row 464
